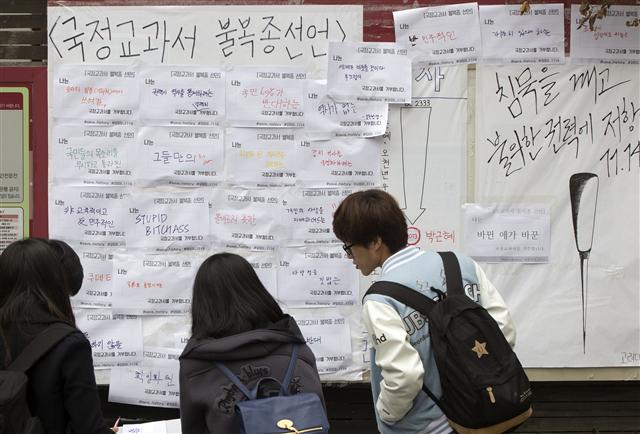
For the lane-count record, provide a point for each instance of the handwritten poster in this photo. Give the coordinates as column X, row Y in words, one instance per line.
column 93, row 155
column 329, row 337
column 507, row 232
column 312, row 275
column 368, row 71
column 440, row 35
column 88, row 215
column 97, row 285
column 613, row 40
column 182, row 95
column 536, row 36
column 116, row 340
column 325, row 118
column 153, row 284
column 571, row 141
column 266, row 97
column 95, row 94
column 154, row 383
column 178, row 155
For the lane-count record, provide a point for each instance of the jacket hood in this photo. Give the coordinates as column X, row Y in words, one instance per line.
column 247, row 345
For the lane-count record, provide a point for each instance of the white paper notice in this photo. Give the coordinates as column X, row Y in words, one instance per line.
column 153, row 284
column 340, row 162
column 153, row 384
column 329, row 337
column 440, row 34
column 325, row 118
column 308, row 213
column 536, row 36
column 116, row 340
column 614, row 39
column 246, row 218
column 97, row 285
column 145, row 428
column 369, row 71
column 89, row 215
column 168, row 221
column 97, row 155
column 190, row 156
column 311, row 276
column 262, row 157
column 181, row 94
column 94, row 93
column 507, row 232
column 265, row 97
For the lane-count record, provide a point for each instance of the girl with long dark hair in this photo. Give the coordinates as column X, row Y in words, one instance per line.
column 235, row 321
column 34, row 294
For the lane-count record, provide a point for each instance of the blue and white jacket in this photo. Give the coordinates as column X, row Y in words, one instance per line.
column 401, row 356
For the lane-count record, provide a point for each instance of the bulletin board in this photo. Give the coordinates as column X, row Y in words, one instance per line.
column 147, row 150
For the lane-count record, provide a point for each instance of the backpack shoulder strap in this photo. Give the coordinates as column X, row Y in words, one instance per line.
column 40, row 345
column 253, row 394
column 403, row 294
column 452, row 273
column 292, row 366
column 235, row 380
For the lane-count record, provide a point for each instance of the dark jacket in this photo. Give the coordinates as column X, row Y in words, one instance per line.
column 62, row 388
column 207, row 397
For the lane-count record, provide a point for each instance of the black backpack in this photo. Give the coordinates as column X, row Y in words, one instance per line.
column 484, row 388
column 15, row 417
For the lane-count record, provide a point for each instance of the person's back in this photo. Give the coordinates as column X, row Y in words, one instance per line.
column 374, row 232
column 61, row 389
column 238, row 323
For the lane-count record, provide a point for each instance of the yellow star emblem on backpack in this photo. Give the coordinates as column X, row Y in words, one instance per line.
column 480, row 348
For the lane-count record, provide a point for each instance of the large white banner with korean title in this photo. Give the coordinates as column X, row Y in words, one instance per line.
column 567, row 137
column 179, row 132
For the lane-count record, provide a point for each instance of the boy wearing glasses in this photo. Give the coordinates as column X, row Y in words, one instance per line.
column 374, row 232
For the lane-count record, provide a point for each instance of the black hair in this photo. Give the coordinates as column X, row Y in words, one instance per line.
column 365, row 215
column 229, row 298
column 71, row 264
column 31, row 274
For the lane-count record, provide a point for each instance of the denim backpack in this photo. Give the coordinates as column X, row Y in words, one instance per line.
column 281, row 414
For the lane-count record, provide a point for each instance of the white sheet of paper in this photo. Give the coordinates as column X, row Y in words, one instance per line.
column 374, row 71
column 246, row 218
column 152, row 384
column 88, row 214
column 153, row 284
column 97, row 285
column 308, row 213
column 536, row 36
column 158, row 427
column 98, row 155
column 168, row 220
column 440, row 35
column 340, row 162
column 315, row 276
column 262, row 156
column 190, row 156
column 265, row 97
column 94, row 93
column 507, row 232
column 325, row 118
column 329, row 337
column 614, row 39
column 181, row 94
column 116, row 340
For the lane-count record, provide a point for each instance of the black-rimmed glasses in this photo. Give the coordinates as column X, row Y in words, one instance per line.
column 347, row 248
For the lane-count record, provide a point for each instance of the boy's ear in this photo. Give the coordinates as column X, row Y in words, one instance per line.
column 376, row 243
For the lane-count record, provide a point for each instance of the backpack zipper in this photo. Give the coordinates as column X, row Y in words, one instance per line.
column 491, row 397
